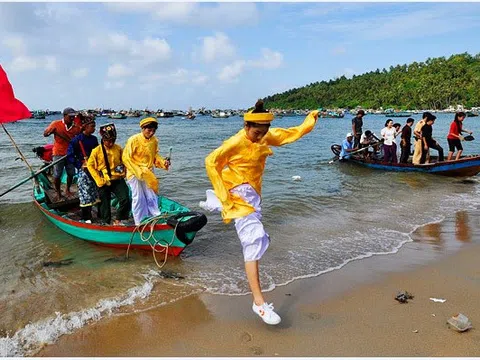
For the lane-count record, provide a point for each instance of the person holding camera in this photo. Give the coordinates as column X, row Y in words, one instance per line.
column 106, row 167
column 140, row 156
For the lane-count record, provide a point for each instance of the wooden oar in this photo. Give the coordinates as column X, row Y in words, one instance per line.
column 356, row 151
column 33, row 175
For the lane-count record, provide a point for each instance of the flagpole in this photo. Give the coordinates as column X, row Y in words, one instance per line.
column 16, row 147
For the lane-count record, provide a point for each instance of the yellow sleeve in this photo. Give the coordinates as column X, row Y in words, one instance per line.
column 92, row 166
column 214, row 164
column 127, row 159
column 160, row 162
column 279, row 136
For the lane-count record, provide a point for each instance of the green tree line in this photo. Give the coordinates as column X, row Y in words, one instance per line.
column 436, row 84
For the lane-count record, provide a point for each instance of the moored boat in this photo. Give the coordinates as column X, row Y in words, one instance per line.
column 168, row 233
column 464, row 167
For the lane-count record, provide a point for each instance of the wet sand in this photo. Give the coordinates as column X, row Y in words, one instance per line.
column 347, row 312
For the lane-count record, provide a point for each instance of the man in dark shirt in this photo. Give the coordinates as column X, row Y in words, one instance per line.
column 428, row 141
column 406, row 142
column 357, row 123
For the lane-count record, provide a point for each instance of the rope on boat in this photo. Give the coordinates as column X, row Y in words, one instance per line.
column 151, row 237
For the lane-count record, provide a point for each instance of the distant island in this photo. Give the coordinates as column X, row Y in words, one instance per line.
column 436, row 84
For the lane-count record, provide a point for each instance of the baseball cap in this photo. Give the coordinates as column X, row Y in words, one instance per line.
column 349, row 135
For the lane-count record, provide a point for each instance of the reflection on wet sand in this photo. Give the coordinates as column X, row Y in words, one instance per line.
column 462, row 227
column 431, row 234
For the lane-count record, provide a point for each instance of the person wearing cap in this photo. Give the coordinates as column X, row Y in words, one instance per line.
column 235, row 170
column 347, row 147
column 63, row 131
column 357, row 123
column 140, row 156
column 106, row 167
column 78, row 152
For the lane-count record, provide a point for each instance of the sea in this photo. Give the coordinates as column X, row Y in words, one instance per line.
column 320, row 216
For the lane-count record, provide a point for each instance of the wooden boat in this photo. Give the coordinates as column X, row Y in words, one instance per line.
column 170, row 232
column 465, row 166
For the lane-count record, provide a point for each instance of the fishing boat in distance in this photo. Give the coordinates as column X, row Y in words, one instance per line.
column 464, row 167
column 168, row 233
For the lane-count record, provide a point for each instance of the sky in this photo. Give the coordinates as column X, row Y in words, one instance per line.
column 161, row 55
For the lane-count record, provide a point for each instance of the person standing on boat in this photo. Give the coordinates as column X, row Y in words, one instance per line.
column 455, row 137
column 428, row 141
column 406, row 141
column 417, row 133
column 389, row 147
column 235, row 170
column 78, row 152
column 139, row 157
column 347, row 147
column 63, row 131
column 105, row 166
column 357, row 123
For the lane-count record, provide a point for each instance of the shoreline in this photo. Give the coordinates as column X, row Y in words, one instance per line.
column 346, row 312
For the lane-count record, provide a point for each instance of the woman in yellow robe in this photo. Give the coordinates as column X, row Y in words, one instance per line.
column 139, row 156
column 236, row 170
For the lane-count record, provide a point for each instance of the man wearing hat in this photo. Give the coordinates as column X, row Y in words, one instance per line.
column 347, row 147
column 139, row 156
column 106, row 167
column 63, row 130
column 78, row 152
column 236, row 170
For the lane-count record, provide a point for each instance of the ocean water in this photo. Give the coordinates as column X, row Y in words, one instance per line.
column 335, row 214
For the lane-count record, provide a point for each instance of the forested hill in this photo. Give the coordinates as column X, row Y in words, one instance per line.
column 434, row 84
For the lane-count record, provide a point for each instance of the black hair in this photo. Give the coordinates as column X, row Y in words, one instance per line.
column 426, row 114
column 360, row 112
column 386, row 122
column 150, row 125
column 368, row 133
column 397, row 125
column 409, row 120
column 259, row 107
column 430, row 116
column 459, row 115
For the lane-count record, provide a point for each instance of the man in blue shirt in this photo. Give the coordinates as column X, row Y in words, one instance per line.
column 347, row 147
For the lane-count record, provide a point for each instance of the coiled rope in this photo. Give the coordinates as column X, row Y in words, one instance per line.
column 151, row 239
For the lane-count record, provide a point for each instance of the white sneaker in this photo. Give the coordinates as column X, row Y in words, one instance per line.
column 265, row 311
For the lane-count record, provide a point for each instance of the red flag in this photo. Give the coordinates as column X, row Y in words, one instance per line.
column 11, row 109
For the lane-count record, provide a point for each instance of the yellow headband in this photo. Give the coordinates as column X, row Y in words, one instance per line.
column 148, row 121
column 258, row 117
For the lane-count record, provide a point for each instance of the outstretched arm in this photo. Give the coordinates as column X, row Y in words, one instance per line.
column 279, row 136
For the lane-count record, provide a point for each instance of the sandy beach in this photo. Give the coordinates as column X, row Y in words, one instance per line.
column 347, row 312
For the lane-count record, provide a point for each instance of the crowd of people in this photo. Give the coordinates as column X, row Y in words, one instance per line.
column 104, row 168
column 393, row 135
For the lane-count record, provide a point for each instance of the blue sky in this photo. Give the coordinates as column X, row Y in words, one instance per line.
column 217, row 55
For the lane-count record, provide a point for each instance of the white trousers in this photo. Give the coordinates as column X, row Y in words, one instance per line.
column 249, row 228
column 144, row 200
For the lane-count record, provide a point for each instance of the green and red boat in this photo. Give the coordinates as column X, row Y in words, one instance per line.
column 169, row 232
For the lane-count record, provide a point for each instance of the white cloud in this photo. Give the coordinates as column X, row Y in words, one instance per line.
column 16, row 44
column 118, row 70
column 200, row 79
column 223, row 15
column 176, row 77
column 26, row 63
column 109, row 85
column 270, row 60
column 339, row 50
column 217, row 46
column 230, row 73
column 80, row 72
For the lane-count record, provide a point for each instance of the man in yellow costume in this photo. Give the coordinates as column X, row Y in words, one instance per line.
column 235, row 170
column 139, row 156
column 105, row 166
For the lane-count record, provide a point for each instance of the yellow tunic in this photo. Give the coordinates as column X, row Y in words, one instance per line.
column 97, row 167
column 239, row 161
column 139, row 156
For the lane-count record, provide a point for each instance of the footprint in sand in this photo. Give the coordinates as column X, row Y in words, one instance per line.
column 246, row 337
column 314, row 316
column 256, row 350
